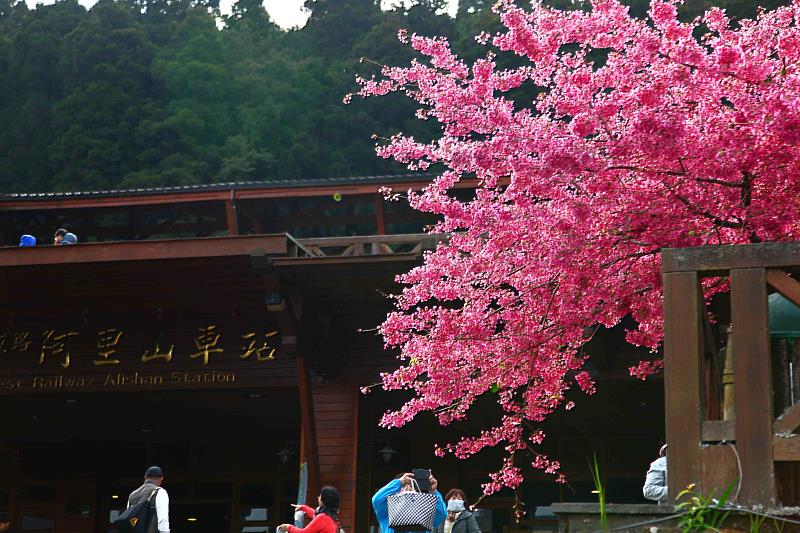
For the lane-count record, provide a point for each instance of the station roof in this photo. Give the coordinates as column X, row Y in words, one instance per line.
column 238, row 190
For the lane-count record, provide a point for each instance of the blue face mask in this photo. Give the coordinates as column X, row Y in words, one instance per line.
column 455, row 506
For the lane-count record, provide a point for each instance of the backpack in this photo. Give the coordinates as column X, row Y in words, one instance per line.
column 137, row 518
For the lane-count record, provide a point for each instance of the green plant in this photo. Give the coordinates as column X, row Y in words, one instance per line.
column 702, row 513
column 600, row 490
column 756, row 521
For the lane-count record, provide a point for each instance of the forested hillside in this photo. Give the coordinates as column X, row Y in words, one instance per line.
column 136, row 93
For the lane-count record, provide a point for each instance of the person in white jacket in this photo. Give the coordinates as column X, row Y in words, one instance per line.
column 655, row 483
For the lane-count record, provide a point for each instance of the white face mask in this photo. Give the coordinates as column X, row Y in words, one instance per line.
column 455, row 506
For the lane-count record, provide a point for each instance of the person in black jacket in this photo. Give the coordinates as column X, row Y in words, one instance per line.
column 5, row 523
column 459, row 517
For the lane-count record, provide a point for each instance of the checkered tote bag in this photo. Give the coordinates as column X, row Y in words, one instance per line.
column 411, row 510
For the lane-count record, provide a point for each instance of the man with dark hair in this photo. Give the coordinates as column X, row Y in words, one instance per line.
column 153, row 479
column 59, row 236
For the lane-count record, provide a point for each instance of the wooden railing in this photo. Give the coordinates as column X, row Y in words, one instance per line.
column 370, row 245
column 742, row 452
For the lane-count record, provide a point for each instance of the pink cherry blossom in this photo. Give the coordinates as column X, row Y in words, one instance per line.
column 639, row 137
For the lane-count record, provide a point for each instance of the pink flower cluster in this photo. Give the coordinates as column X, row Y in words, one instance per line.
column 640, row 137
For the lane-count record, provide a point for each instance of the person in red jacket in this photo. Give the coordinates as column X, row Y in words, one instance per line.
column 325, row 519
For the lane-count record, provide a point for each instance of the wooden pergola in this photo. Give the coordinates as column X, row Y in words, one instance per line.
column 704, row 450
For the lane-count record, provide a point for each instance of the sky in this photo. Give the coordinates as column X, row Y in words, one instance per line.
column 285, row 13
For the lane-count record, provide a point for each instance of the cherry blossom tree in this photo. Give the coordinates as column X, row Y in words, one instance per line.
column 642, row 134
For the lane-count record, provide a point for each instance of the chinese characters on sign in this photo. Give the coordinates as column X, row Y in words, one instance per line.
column 56, row 346
column 107, row 342
column 206, row 341
column 252, row 346
column 147, row 356
column 18, row 341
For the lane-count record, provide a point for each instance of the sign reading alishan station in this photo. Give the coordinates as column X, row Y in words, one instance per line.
column 227, row 353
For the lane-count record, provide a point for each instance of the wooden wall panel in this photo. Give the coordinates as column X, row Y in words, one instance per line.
column 336, row 412
column 719, row 469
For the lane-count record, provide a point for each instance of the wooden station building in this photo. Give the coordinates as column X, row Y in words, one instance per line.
column 216, row 331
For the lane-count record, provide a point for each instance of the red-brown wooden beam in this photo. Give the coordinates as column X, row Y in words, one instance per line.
column 718, row 260
column 789, row 421
column 101, row 252
column 753, row 393
column 784, row 284
column 380, row 218
column 230, row 215
column 786, row 447
column 176, row 197
column 683, row 379
column 309, row 452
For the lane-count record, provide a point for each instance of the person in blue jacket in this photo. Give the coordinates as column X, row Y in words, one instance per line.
column 399, row 484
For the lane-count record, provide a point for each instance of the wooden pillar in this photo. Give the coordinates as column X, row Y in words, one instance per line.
column 683, row 379
column 309, row 452
column 230, row 214
column 753, row 393
column 380, row 219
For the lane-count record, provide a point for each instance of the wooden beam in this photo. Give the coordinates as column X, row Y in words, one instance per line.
column 784, row 284
column 719, row 468
column 230, row 215
column 753, row 392
column 786, row 447
column 712, row 369
column 354, row 467
column 714, row 260
column 309, row 452
column 103, row 252
column 683, row 378
column 345, row 260
column 298, row 189
column 789, row 421
column 379, row 215
column 403, row 238
column 718, row 431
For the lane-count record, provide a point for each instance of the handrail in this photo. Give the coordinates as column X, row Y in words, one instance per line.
column 368, row 245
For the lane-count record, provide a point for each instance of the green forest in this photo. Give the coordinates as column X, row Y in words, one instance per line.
column 144, row 93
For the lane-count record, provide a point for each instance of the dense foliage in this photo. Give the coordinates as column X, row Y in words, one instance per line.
column 615, row 138
column 165, row 92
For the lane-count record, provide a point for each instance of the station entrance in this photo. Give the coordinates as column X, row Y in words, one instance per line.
column 230, row 458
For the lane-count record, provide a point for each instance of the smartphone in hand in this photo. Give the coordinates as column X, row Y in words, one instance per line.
column 423, row 478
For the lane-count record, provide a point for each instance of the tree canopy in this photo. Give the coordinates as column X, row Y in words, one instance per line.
column 135, row 93
column 616, row 137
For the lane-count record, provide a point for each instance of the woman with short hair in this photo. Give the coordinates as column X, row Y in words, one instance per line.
column 459, row 518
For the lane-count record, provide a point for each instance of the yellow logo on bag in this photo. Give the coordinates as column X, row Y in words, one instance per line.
column 133, row 521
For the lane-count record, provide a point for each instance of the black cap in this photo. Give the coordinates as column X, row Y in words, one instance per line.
column 154, row 472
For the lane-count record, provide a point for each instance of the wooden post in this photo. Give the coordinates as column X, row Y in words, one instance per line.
column 713, row 370
column 380, row 218
column 753, row 392
column 683, row 379
column 230, row 213
column 308, row 431
column 728, row 381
